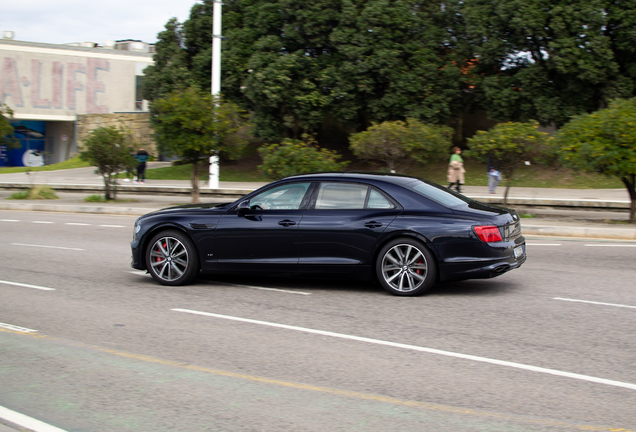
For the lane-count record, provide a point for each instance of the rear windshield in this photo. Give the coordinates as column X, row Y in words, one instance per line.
column 437, row 193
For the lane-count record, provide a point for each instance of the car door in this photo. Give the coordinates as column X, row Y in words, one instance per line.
column 343, row 223
column 264, row 233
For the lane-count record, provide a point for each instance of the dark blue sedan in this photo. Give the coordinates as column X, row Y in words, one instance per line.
column 405, row 232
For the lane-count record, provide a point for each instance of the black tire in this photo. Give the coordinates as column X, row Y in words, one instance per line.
column 171, row 258
column 405, row 267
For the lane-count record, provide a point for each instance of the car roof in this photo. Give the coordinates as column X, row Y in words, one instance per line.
column 398, row 179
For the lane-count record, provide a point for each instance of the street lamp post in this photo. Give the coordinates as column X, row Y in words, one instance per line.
column 216, row 80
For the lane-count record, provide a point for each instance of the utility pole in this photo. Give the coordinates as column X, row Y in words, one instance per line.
column 216, row 80
column 216, row 48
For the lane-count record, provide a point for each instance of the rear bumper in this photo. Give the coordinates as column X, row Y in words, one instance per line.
column 479, row 268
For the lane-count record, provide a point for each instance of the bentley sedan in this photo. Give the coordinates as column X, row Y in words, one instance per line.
column 404, row 232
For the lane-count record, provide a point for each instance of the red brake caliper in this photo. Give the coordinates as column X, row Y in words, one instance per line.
column 158, row 259
column 419, row 270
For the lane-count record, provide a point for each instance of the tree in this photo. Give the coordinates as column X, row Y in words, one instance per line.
column 193, row 125
column 549, row 60
column 110, row 150
column 297, row 157
column 604, row 142
column 356, row 61
column 510, row 145
column 292, row 64
column 171, row 70
column 394, row 143
column 6, row 130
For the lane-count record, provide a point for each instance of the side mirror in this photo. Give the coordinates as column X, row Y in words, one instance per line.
column 243, row 208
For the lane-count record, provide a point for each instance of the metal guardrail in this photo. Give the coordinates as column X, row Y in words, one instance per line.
column 575, row 203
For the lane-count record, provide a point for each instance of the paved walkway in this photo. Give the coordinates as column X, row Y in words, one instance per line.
column 558, row 212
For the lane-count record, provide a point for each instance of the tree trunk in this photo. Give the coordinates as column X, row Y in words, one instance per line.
column 114, row 185
column 196, row 168
column 507, row 173
column 630, row 184
column 106, row 187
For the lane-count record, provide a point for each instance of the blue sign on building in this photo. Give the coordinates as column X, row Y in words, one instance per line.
column 30, row 135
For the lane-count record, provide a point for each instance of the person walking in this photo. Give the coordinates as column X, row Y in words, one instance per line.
column 456, row 169
column 142, row 158
column 494, row 175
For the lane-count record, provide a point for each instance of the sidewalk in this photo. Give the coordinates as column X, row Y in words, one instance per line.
column 585, row 213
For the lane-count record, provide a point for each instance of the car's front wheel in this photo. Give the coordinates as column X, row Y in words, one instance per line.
column 171, row 258
column 406, row 267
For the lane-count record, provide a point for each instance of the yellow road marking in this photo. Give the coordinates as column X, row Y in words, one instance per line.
column 332, row 391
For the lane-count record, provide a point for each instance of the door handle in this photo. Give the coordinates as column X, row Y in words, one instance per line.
column 287, row 223
column 373, row 224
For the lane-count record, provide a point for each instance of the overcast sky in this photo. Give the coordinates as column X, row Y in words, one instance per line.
column 67, row 21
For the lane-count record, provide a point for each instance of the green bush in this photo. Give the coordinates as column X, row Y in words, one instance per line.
column 297, row 157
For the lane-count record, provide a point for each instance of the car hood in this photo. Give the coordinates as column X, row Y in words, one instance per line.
column 188, row 208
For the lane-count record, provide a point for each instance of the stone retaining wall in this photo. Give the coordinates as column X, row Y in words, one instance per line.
column 137, row 123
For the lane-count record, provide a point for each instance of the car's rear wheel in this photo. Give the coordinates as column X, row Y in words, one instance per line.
column 171, row 258
column 406, row 267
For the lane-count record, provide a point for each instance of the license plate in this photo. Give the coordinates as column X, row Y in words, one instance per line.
column 518, row 251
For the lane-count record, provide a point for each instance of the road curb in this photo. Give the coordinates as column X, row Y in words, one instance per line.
column 580, row 232
column 135, row 189
column 57, row 208
column 595, row 204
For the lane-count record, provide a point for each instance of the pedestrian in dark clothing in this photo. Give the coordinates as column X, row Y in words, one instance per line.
column 142, row 158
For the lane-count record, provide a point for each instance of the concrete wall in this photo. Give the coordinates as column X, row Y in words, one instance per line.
column 58, row 82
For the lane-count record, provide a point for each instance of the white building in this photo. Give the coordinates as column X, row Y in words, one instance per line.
column 48, row 86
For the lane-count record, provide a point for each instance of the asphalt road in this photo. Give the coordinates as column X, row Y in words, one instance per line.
column 100, row 347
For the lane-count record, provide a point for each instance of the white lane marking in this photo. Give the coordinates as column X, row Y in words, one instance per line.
column 27, row 285
column 76, row 224
column 113, row 226
column 9, row 220
column 17, row 328
column 42, row 222
column 594, row 303
column 611, row 245
column 143, row 273
column 263, row 288
column 27, row 422
column 44, row 246
column 544, row 244
column 422, row 349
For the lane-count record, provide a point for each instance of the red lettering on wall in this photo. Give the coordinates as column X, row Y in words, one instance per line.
column 58, row 70
column 72, row 84
column 36, row 78
column 10, row 82
column 93, row 86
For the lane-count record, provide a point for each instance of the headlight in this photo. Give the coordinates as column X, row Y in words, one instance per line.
column 136, row 229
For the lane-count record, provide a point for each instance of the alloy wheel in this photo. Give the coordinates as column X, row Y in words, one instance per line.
column 404, row 268
column 169, row 259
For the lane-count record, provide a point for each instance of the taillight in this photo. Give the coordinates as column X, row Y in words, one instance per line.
column 488, row 233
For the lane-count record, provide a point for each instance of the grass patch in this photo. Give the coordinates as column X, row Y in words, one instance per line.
column 527, row 216
column 246, row 170
column 35, row 193
column 101, row 199
column 19, row 195
column 233, row 172
column 526, row 176
column 75, row 162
